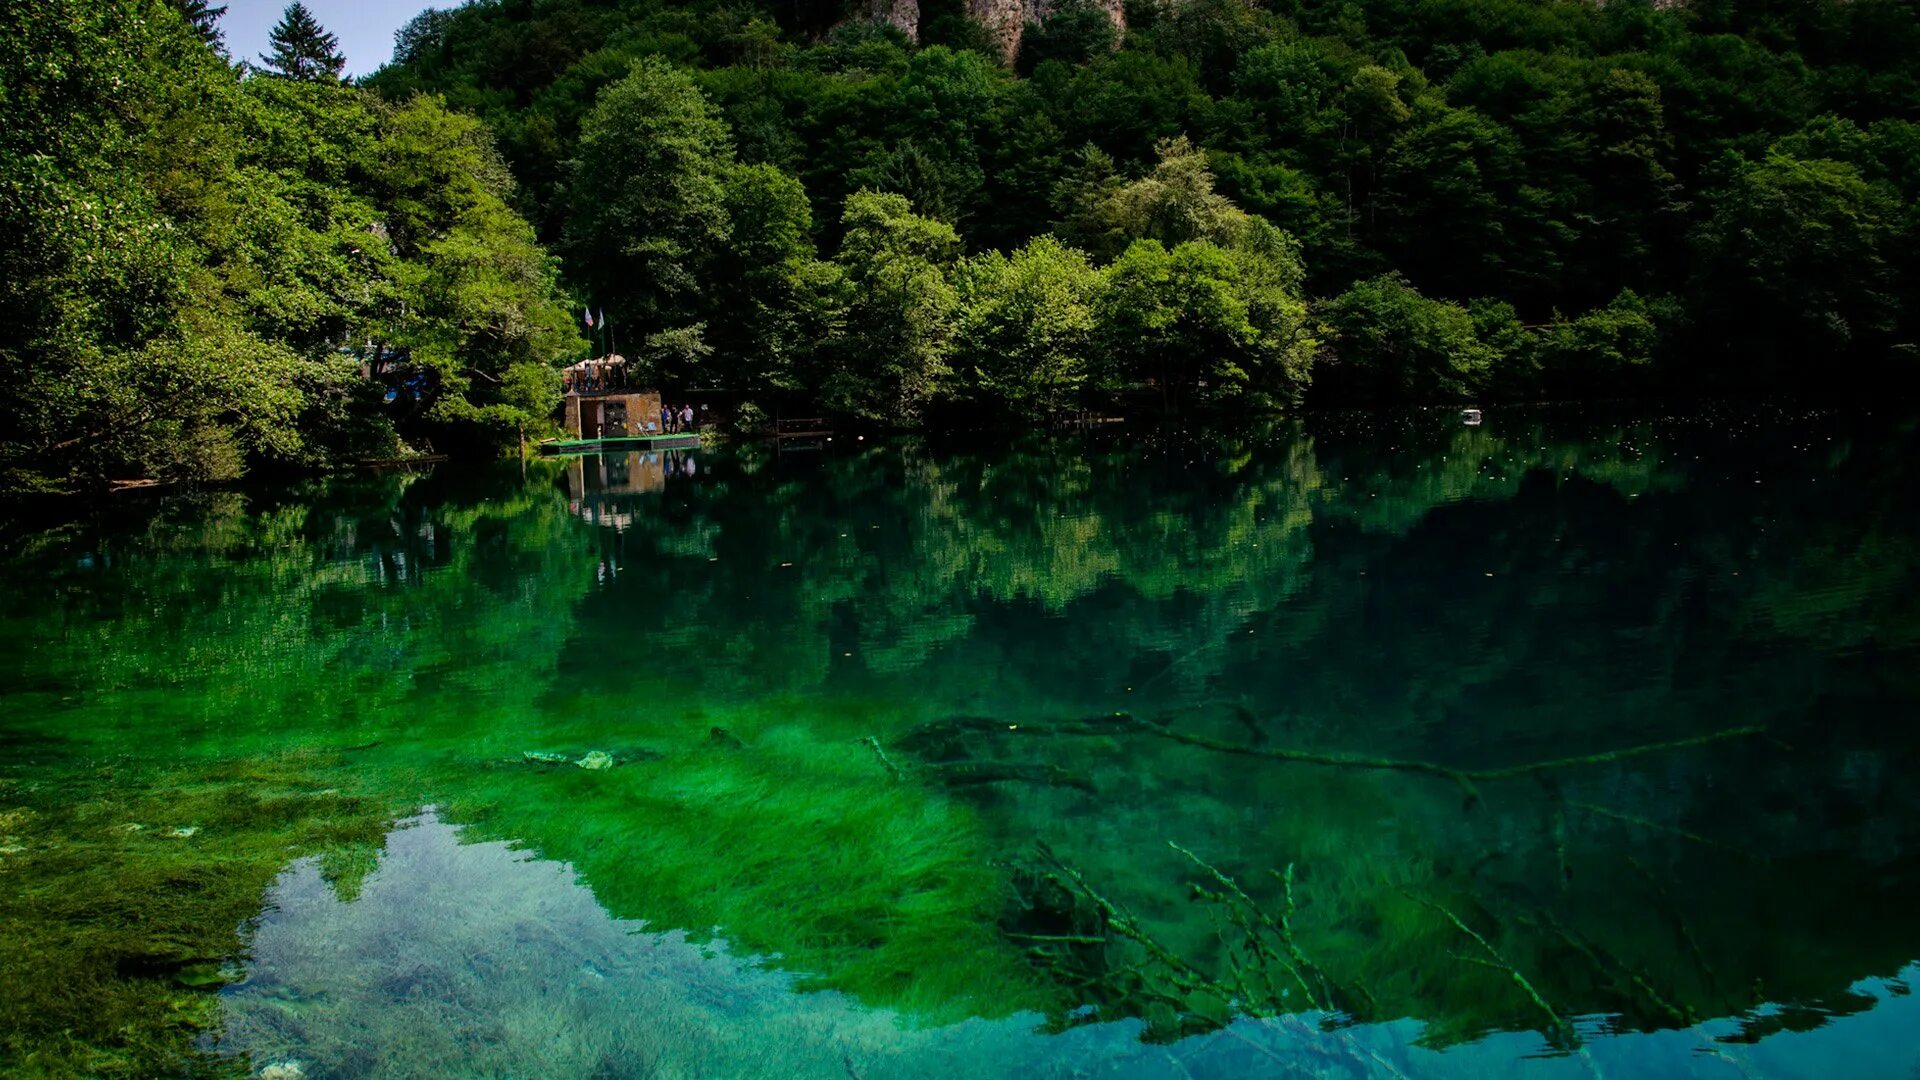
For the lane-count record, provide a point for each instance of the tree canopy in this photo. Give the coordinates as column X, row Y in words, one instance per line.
column 902, row 218
column 302, row 48
column 206, row 272
column 1528, row 163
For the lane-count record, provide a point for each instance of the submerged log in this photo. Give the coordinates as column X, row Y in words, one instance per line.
column 951, row 729
column 962, row 773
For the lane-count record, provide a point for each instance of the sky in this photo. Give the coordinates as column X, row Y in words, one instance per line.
column 365, row 27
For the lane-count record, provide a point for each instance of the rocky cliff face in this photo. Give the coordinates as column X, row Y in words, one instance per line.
column 1004, row 19
column 904, row 14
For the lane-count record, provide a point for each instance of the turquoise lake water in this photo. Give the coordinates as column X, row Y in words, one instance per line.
column 1579, row 742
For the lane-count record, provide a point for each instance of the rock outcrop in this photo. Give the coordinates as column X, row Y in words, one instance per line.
column 904, row 14
column 1005, row 20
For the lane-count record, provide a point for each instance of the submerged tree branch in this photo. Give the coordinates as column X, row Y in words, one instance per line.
column 1558, row 1028
column 1126, row 723
column 1281, row 928
column 1674, row 830
column 887, row 762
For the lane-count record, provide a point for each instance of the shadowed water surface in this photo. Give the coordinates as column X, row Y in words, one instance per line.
column 1569, row 744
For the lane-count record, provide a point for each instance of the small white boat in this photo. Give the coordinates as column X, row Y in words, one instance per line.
column 1470, row 417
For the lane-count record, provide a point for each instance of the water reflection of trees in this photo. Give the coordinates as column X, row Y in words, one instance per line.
column 768, row 642
column 1477, row 597
column 896, row 550
column 324, row 607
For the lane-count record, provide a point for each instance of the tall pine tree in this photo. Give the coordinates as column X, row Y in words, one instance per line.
column 302, row 49
column 205, row 19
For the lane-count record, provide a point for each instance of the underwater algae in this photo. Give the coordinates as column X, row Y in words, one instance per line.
column 126, row 892
column 780, row 830
column 801, row 850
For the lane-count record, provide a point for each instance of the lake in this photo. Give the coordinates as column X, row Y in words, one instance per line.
column 1580, row 742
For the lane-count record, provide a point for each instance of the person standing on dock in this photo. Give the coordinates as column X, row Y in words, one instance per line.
column 666, row 419
column 686, row 418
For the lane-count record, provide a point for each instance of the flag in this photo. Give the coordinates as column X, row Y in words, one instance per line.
column 588, row 316
column 603, row 316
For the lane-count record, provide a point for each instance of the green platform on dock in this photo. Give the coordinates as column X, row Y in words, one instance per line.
column 680, row 441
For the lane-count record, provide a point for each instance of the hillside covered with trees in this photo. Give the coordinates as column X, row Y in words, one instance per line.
column 917, row 212
column 1506, row 197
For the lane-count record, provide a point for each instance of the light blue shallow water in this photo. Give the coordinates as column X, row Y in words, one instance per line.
column 496, row 963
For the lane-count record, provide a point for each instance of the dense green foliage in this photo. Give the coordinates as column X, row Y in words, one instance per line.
column 1493, row 198
column 202, row 270
column 205, row 19
column 1231, row 204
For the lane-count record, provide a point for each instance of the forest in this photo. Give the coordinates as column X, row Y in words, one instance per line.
column 930, row 214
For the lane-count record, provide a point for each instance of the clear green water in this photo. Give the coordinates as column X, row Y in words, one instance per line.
column 1570, row 744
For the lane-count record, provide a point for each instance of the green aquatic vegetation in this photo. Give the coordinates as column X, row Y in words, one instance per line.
column 126, row 891
column 1470, row 953
column 1391, row 864
column 781, row 832
column 1232, row 954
